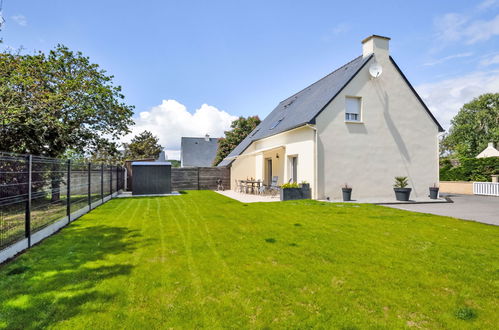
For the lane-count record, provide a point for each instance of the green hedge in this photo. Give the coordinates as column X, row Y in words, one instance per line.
column 469, row 169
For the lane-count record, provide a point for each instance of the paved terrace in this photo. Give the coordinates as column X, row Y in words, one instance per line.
column 251, row 198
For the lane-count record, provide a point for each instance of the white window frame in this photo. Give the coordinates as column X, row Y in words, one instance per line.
column 351, row 117
column 290, row 168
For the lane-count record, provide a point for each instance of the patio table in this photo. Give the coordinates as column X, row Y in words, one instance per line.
column 252, row 184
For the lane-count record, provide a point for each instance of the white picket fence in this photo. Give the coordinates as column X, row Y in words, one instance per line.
column 486, row 188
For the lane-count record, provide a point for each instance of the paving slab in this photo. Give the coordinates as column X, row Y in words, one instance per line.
column 249, row 198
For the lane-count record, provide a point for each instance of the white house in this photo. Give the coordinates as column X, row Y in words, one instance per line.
column 361, row 125
column 490, row 151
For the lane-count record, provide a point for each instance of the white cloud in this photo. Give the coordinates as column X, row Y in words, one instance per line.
column 170, row 121
column 494, row 59
column 335, row 31
column 446, row 97
column 482, row 30
column 20, row 20
column 454, row 27
column 447, row 58
column 487, row 4
column 340, row 28
column 450, row 26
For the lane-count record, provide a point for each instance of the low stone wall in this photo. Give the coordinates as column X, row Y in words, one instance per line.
column 456, row 187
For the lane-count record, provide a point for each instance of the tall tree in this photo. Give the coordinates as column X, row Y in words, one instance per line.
column 240, row 128
column 50, row 103
column 144, row 145
column 476, row 124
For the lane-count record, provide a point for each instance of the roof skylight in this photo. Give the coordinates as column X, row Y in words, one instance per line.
column 274, row 125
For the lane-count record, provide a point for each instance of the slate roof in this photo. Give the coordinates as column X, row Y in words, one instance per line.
column 302, row 107
column 196, row 151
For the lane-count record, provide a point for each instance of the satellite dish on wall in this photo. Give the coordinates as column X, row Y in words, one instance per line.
column 375, row 70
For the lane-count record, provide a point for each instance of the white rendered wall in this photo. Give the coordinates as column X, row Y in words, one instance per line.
column 396, row 137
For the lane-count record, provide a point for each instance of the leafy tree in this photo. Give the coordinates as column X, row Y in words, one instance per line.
column 107, row 153
column 476, row 124
column 144, row 145
column 240, row 128
column 50, row 103
column 175, row 163
column 469, row 169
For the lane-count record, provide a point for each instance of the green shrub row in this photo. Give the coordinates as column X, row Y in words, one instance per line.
column 469, row 169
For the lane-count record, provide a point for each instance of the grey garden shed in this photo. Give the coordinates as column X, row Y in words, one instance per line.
column 151, row 178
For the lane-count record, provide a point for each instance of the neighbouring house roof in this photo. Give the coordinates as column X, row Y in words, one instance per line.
column 490, row 151
column 303, row 107
column 196, row 151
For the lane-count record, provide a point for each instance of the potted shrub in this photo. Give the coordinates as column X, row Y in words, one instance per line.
column 290, row 191
column 305, row 185
column 402, row 193
column 434, row 191
column 347, row 193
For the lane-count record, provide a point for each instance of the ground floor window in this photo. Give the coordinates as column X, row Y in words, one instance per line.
column 268, row 170
column 293, row 162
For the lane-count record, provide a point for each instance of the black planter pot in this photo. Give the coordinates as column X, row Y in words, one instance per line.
column 402, row 194
column 289, row 194
column 433, row 192
column 347, row 194
column 306, row 192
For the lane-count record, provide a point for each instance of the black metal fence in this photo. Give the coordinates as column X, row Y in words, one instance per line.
column 38, row 191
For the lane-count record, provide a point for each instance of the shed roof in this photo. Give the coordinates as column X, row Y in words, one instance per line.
column 151, row 163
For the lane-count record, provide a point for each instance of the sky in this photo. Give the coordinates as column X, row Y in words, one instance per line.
column 191, row 67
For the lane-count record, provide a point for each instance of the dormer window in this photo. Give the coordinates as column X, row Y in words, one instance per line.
column 352, row 108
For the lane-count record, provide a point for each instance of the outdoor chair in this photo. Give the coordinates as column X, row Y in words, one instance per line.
column 220, row 186
column 274, row 188
column 262, row 190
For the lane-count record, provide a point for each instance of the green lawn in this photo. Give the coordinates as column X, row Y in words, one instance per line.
column 203, row 260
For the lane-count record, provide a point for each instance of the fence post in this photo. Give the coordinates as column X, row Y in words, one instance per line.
column 27, row 218
column 117, row 179
column 110, row 181
column 102, row 182
column 198, row 177
column 68, row 191
column 89, row 186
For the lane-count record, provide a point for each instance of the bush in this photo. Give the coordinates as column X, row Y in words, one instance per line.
column 290, row 185
column 469, row 169
column 400, row 182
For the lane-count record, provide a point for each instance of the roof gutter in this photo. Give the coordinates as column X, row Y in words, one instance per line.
column 316, row 163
